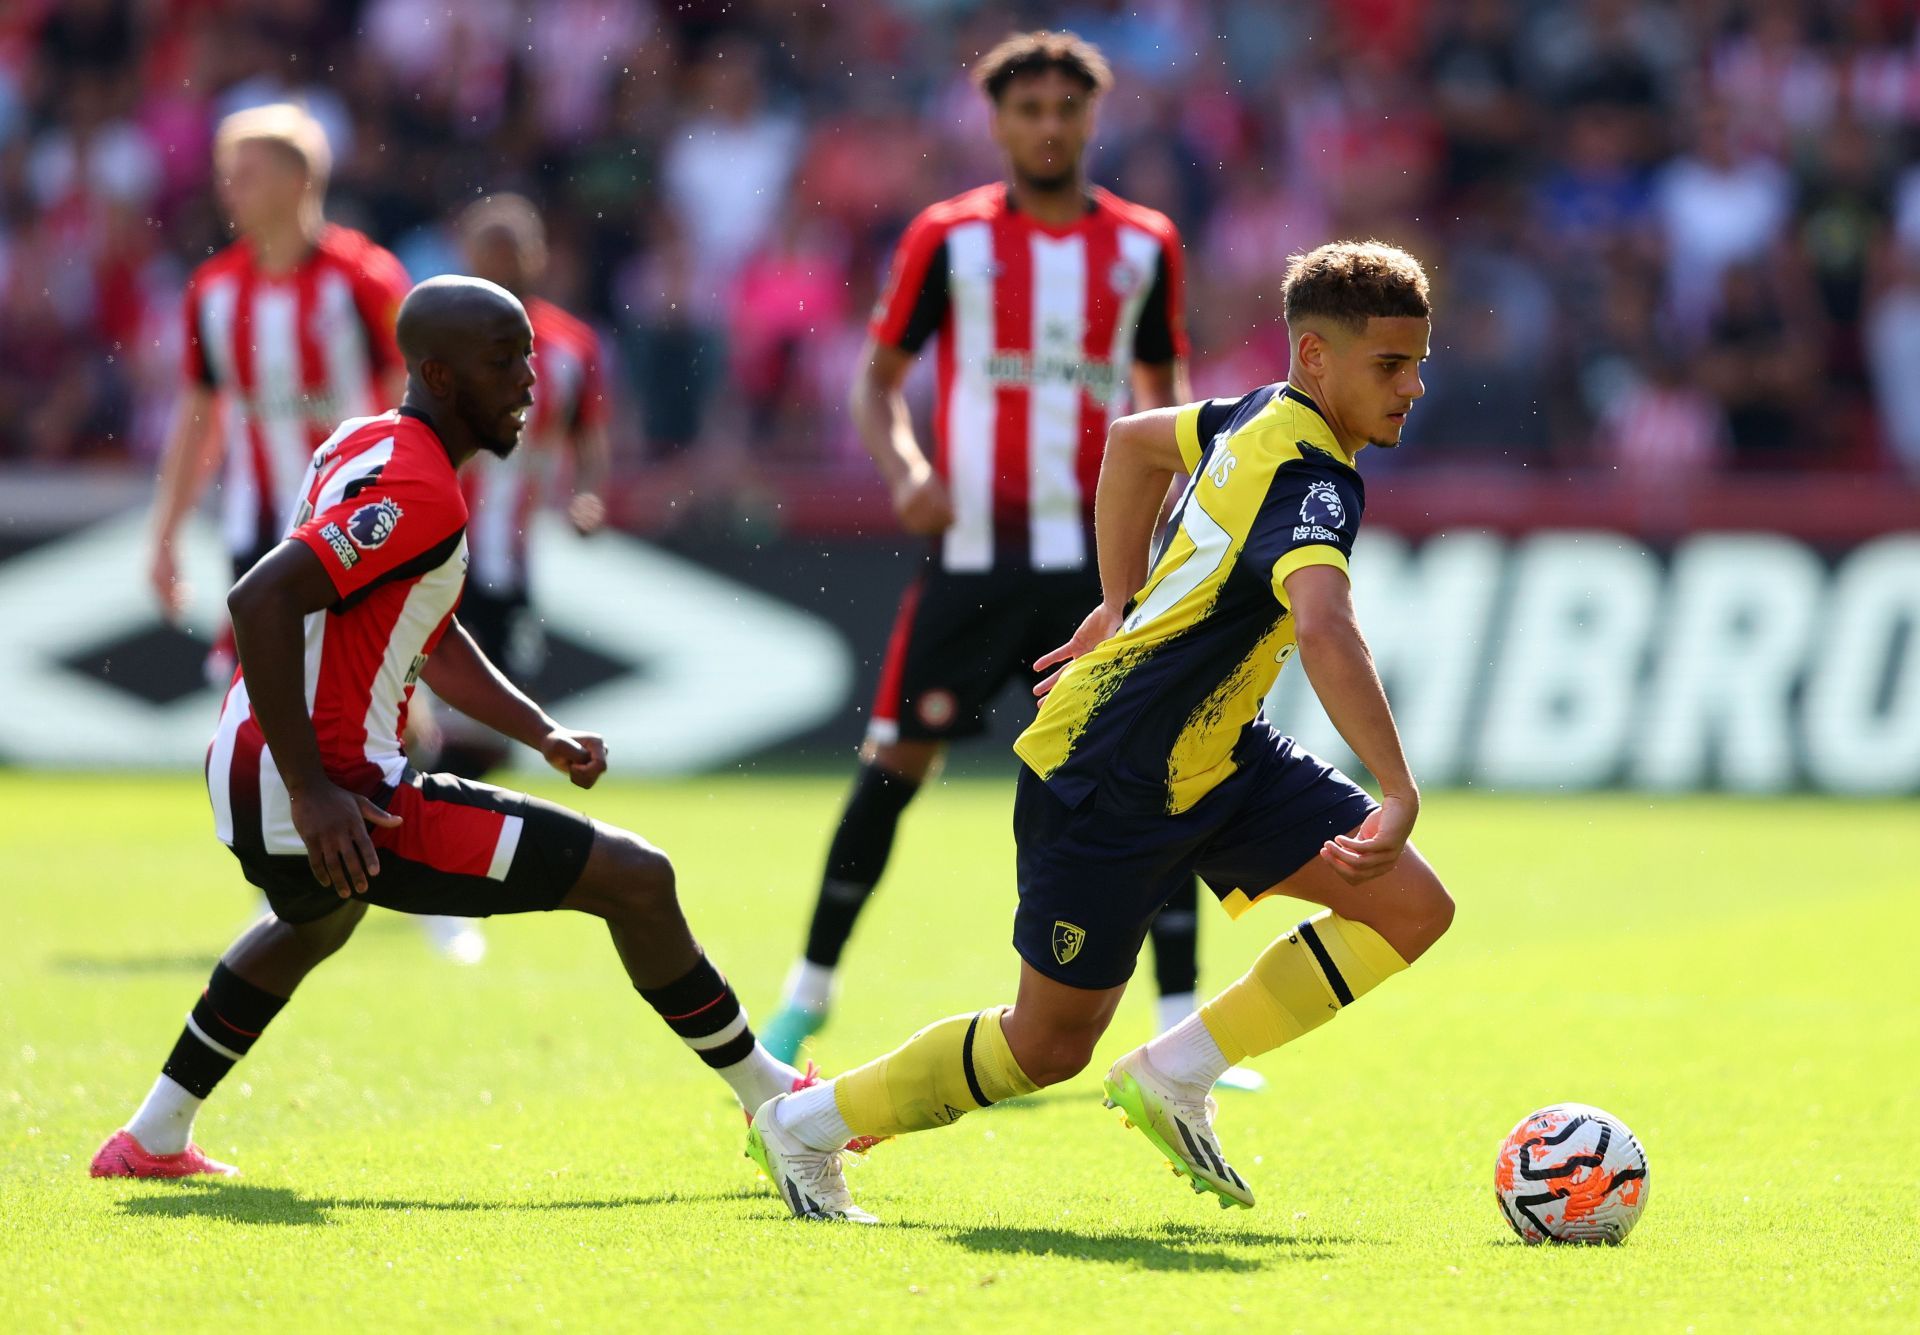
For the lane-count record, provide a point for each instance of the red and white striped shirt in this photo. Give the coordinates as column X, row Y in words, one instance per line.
column 291, row 355
column 382, row 510
column 570, row 397
column 1039, row 329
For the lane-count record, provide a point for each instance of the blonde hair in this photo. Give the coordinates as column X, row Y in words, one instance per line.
column 289, row 128
column 1351, row 282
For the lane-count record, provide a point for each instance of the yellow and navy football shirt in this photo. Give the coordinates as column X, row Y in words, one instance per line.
column 1153, row 714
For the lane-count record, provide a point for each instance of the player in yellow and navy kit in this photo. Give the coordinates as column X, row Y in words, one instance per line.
column 1151, row 759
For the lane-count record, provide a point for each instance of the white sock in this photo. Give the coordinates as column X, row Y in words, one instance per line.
column 757, row 1077
column 1174, row 1007
column 810, row 987
column 813, row 1118
column 164, row 1123
column 1187, row 1053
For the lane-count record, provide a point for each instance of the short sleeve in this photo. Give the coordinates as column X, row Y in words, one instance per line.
column 1198, row 423
column 197, row 369
column 1162, row 335
column 380, row 284
column 915, row 301
column 383, row 529
column 1309, row 518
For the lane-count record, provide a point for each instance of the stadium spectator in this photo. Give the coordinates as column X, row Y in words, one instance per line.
column 1719, row 205
column 669, row 146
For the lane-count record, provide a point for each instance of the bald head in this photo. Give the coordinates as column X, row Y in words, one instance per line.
column 444, row 315
column 469, row 352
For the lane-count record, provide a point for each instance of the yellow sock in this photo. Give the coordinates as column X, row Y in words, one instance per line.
column 1299, row 983
column 933, row 1079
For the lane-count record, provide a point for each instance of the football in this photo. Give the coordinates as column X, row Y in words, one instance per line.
column 1571, row 1173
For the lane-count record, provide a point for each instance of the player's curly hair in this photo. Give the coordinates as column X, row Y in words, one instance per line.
column 1026, row 53
column 1351, row 282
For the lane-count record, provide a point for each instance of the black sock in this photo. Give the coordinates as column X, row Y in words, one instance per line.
column 700, row 1007
column 220, row 1030
column 1176, row 942
column 856, row 859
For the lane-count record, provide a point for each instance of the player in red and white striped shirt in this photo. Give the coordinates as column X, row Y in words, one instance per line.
column 505, row 243
column 288, row 331
column 308, row 772
column 1050, row 303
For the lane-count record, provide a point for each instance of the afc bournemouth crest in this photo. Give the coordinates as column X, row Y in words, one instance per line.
column 1067, row 940
column 373, row 523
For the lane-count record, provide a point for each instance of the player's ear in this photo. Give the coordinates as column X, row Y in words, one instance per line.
column 1310, row 350
column 437, row 376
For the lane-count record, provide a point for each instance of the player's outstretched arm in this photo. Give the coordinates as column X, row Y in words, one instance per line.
column 880, row 415
column 1142, row 455
column 269, row 607
column 191, row 453
column 464, row 677
column 1340, row 667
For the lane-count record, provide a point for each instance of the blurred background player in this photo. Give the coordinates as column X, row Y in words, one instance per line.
column 1049, row 296
column 289, row 331
column 504, row 242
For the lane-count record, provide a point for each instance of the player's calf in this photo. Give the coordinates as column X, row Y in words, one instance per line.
column 631, row 886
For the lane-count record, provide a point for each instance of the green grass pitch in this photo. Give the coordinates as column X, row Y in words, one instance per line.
column 522, row 1145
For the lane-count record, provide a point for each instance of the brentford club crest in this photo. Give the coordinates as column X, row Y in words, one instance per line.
column 1124, row 277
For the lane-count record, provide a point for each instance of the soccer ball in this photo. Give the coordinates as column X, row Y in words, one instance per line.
column 1571, row 1173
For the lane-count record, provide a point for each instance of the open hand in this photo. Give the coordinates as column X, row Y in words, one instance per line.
column 1099, row 624
column 581, row 756
column 1373, row 849
column 332, row 822
column 163, row 575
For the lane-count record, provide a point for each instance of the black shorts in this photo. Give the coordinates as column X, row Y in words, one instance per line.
column 959, row 639
column 1092, row 877
column 465, row 849
column 503, row 626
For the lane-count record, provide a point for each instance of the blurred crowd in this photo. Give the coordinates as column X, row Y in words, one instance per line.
column 1666, row 237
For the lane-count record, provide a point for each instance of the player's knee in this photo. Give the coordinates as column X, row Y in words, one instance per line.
column 1428, row 909
column 1055, row 1055
column 642, row 884
column 323, row 936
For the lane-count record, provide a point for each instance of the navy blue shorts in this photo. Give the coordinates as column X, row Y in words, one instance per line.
column 1092, row 877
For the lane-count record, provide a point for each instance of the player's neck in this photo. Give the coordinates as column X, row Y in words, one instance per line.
column 1058, row 206
column 281, row 247
column 1348, row 441
column 448, row 430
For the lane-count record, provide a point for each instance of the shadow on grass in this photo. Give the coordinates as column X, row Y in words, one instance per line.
column 129, row 966
column 250, row 1203
column 1166, row 1247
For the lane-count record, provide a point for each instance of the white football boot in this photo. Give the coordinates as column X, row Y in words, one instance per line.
column 808, row 1180
column 1178, row 1119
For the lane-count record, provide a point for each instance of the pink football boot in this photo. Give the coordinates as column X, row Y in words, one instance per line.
column 123, row 1156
